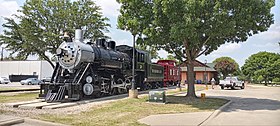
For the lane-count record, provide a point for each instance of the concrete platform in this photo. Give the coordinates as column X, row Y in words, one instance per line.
column 37, row 105
column 16, row 104
column 62, row 105
column 10, row 120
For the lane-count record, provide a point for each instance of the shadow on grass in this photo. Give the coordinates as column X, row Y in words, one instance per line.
column 208, row 103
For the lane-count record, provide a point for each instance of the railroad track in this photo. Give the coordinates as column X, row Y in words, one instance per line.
column 42, row 104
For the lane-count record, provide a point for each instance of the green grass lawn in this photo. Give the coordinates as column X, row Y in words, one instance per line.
column 8, row 88
column 15, row 97
column 128, row 111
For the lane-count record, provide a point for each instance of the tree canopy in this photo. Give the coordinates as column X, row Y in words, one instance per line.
column 41, row 23
column 226, row 66
column 152, row 50
column 263, row 66
column 135, row 15
column 190, row 28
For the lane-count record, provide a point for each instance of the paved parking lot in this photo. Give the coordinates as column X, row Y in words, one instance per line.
column 256, row 105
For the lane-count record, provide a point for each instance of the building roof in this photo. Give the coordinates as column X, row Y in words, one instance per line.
column 212, row 65
column 196, row 63
column 199, row 66
column 200, row 69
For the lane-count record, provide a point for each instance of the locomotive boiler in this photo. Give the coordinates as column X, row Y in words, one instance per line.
column 89, row 70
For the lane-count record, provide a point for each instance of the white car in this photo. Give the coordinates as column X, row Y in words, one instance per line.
column 4, row 80
column 31, row 81
column 231, row 82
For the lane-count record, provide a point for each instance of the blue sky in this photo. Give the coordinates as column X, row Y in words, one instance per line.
column 265, row 41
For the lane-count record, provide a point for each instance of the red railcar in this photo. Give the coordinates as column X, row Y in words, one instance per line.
column 172, row 73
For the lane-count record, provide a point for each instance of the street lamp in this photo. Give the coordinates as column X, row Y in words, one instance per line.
column 133, row 65
column 133, row 92
column 205, row 76
column 2, row 54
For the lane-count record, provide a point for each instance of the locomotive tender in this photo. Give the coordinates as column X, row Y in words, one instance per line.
column 88, row 70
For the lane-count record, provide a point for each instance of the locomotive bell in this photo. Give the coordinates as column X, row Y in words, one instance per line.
column 72, row 54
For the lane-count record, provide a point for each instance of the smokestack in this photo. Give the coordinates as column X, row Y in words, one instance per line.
column 79, row 35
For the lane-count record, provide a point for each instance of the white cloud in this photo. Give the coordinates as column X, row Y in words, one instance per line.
column 110, row 8
column 228, row 48
column 214, row 56
column 266, row 45
column 273, row 33
column 163, row 54
column 8, row 8
column 123, row 42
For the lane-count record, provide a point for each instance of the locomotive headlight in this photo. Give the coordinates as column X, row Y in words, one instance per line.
column 89, row 79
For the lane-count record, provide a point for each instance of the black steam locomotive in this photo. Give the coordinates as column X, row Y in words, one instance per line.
column 88, row 70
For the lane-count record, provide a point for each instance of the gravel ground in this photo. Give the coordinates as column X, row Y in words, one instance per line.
column 33, row 113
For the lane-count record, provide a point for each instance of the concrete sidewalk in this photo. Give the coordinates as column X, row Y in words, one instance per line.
column 7, row 120
column 181, row 119
column 10, row 120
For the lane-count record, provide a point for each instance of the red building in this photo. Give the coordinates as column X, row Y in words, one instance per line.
column 200, row 70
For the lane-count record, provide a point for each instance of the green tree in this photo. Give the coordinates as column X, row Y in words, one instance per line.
column 171, row 57
column 135, row 16
column 152, row 50
column 190, row 28
column 276, row 80
column 226, row 66
column 42, row 22
column 262, row 66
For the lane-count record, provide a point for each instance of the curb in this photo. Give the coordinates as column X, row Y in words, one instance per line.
column 12, row 122
column 214, row 114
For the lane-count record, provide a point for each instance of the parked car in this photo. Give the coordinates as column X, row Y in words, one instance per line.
column 231, row 82
column 31, row 81
column 4, row 80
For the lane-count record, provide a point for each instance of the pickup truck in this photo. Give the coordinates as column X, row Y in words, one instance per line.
column 231, row 82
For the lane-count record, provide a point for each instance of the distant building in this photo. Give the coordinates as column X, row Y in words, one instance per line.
column 40, row 68
column 200, row 69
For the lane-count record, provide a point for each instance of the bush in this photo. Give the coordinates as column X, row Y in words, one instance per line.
column 276, row 80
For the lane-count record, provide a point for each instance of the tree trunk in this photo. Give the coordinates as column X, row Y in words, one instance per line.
column 45, row 57
column 190, row 75
column 48, row 60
